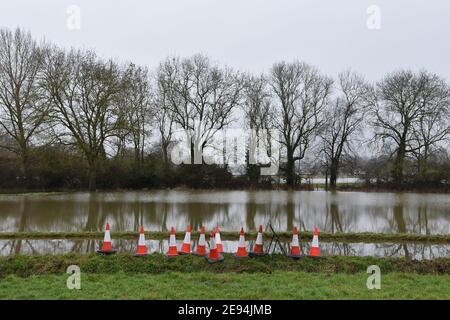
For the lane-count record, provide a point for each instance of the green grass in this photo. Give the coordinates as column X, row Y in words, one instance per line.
column 206, row 285
column 26, row 265
column 350, row 237
column 123, row 276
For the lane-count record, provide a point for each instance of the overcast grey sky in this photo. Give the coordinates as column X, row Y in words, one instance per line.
column 250, row 34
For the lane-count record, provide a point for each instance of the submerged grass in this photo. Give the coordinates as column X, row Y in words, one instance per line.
column 26, row 266
column 360, row 237
column 207, row 285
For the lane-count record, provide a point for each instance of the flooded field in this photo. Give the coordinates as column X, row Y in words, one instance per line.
column 230, row 210
column 61, row 246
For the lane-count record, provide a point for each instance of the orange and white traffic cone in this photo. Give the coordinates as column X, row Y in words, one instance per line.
column 258, row 249
column 186, row 247
column 142, row 247
column 315, row 250
column 173, row 250
column 213, row 256
column 218, row 240
column 201, row 246
column 107, row 245
column 242, row 248
column 295, row 246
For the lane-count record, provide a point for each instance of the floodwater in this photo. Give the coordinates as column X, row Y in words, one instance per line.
column 230, row 210
column 416, row 251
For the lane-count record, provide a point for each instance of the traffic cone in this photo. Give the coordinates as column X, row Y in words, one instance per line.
column 186, row 247
column 315, row 250
column 218, row 241
column 214, row 256
column 142, row 247
column 242, row 248
column 173, row 250
column 107, row 245
column 258, row 249
column 201, row 246
column 295, row 247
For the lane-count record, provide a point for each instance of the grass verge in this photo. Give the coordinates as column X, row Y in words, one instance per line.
column 26, row 266
column 206, row 285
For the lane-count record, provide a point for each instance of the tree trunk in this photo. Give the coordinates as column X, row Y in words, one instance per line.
column 422, row 171
column 333, row 173
column 92, row 175
column 24, row 163
column 399, row 164
column 290, row 169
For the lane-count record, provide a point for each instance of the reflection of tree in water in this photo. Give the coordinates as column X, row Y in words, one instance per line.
column 290, row 210
column 96, row 218
column 333, row 224
column 251, row 211
column 335, row 220
column 415, row 222
column 415, row 250
column 23, row 224
column 422, row 220
column 341, row 249
column 285, row 209
column 400, row 225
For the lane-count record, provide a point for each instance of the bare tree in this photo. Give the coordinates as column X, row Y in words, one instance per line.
column 344, row 118
column 22, row 107
column 402, row 100
column 258, row 112
column 302, row 94
column 433, row 128
column 136, row 106
column 84, row 93
column 201, row 97
column 164, row 98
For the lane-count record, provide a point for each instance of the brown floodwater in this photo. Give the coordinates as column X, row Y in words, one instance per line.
column 230, row 210
column 417, row 251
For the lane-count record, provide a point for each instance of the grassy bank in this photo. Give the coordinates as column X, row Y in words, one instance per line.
column 123, row 276
column 206, row 285
column 26, row 266
column 360, row 237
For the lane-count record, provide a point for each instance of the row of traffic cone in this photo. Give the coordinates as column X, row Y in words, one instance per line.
column 295, row 245
column 215, row 247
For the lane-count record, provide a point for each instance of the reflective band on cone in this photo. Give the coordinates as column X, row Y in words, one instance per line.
column 142, row 247
column 173, row 250
column 295, row 246
column 186, row 247
column 213, row 256
column 107, row 245
column 242, row 248
column 315, row 250
column 201, row 246
column 258, row 249
column 218, row 241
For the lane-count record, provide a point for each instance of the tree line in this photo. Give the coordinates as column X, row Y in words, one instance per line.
column 72, row 119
